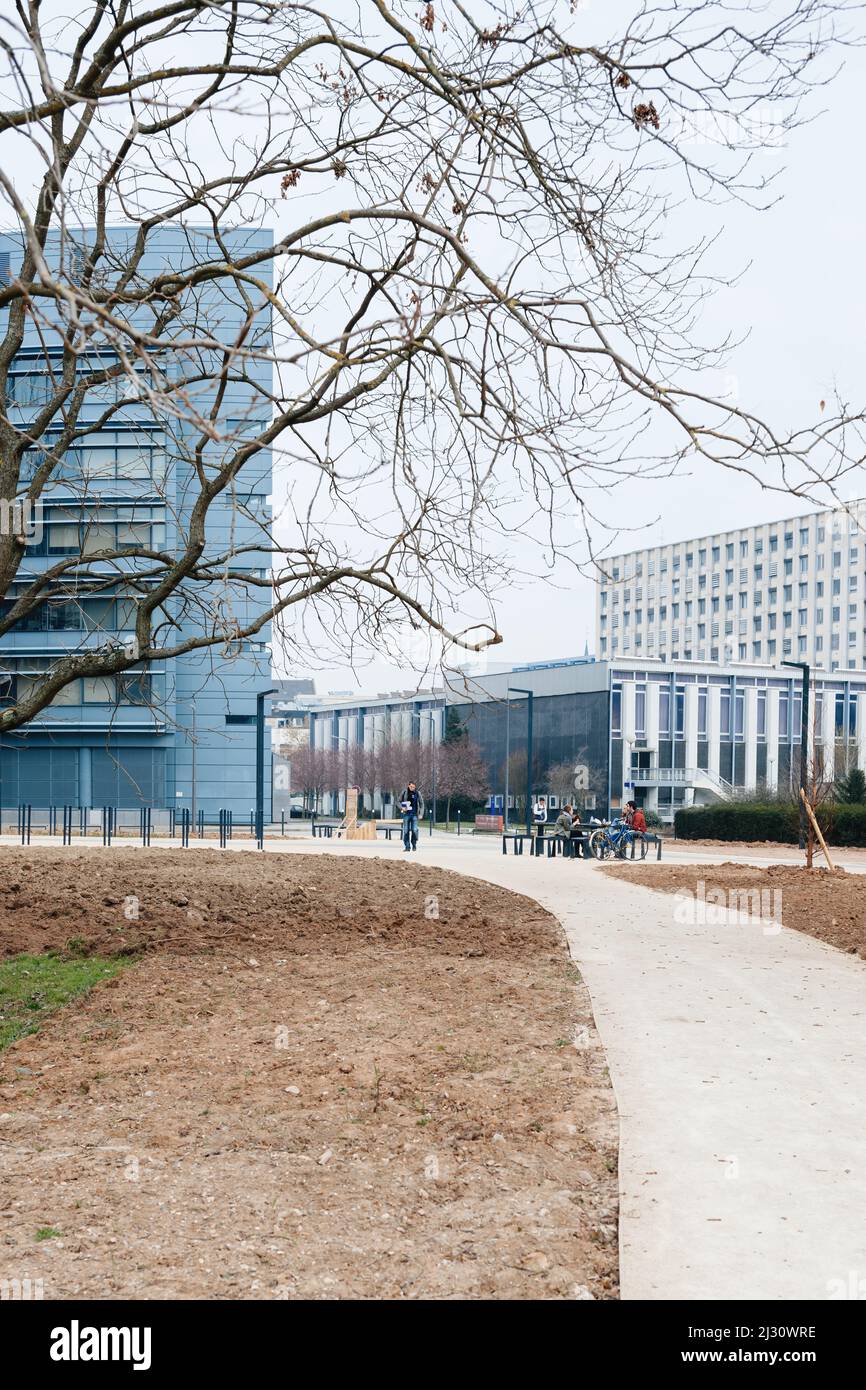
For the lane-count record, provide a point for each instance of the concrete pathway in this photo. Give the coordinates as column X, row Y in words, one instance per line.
column 738, row 1058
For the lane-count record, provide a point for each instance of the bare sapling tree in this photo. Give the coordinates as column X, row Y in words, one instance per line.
column 418, row 258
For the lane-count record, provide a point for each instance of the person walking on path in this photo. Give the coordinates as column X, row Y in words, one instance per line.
column 409, row 809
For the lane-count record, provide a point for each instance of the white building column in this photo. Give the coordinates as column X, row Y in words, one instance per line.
column 653, row 689
column 691, row 725
column 628, row 727
column 690, row 729
column 828, row 734
column 714, row 725
column 773, row 739
column 750, row 734
column 861, row 732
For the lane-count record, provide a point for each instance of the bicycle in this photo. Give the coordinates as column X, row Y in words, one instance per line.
column 614, row 841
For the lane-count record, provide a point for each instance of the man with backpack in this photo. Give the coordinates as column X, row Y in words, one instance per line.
column 409, row 809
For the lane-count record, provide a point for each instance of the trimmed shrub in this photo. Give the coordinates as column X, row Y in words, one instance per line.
column 777, row 821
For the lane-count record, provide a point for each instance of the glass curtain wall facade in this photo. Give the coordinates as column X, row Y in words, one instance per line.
column 137, row 738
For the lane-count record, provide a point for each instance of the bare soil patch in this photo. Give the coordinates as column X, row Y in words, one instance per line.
column 830, row 906
column 309, row 1086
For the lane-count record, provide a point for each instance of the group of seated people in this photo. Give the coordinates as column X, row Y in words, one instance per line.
column 568, row 824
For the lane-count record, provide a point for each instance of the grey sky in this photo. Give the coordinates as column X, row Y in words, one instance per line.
column 799, row 300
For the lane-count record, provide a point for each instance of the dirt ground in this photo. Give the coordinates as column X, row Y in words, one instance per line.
column 766, row 848
column 308, row 1085
column 831, row 906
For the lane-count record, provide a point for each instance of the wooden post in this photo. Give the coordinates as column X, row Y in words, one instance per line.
column 811, row 814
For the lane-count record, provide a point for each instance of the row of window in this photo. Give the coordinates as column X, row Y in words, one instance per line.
column 732, row 713
column 760, row 651
column 89, row 536
column 128, row 688
column 77, row 615
column 853, row 585
column 109, row 454
column 34, row 389
column 853, row 525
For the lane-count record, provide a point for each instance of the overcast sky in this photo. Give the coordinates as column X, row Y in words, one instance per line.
column 801, row 302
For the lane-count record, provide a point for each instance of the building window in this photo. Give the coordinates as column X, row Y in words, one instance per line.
column 702, row 711
column 665, row 712
column 640, row 711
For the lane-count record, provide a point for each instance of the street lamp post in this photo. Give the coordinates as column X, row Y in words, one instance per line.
column 803, row 666
column 343, row 738
column 507, row 754
column 520, row 690
column 428, row 714
column 260, row 765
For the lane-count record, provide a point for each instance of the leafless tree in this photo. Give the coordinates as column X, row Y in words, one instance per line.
column 469, row 323
column 560, row 781
column 461, row 773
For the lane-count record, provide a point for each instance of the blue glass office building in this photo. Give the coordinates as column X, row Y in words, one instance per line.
column 176, row 734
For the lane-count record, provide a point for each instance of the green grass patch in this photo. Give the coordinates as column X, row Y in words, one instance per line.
column 32, row 987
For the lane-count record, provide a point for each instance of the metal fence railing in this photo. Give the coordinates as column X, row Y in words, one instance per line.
column 143, row 824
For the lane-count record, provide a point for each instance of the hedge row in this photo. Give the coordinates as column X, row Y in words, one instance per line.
column 777, row 821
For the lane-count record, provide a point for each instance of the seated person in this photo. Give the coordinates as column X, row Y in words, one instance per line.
column 579, row 846
column 562, row 825
column 635, row 818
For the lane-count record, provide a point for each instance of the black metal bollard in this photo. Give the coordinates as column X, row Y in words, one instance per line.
column 106, row 825
column 458, row 822
column 185, row 816
column 82, row 820
column 201, row 825
column 222, row 829
column 282, row 822
column 67, row 825
column 24, row 813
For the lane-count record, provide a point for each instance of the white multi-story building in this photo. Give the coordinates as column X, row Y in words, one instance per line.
column 784, row 590
column 666, row 734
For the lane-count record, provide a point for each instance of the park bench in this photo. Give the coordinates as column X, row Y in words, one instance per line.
column 324, row 828
column 565, row 845
column 516, row 837
column 390, row 827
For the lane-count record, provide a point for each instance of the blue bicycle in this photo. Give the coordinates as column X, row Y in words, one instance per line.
column 615, row 841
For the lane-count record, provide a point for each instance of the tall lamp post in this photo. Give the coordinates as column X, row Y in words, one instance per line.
column 507, row 755
column 803, row 666
column 428, row 714
column 260, row 764
column 338, row 739
column 519, row 690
